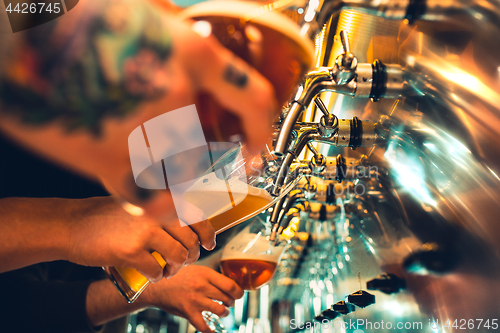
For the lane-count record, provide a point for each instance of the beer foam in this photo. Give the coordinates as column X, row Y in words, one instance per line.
column 252, row 12
column 252, row 247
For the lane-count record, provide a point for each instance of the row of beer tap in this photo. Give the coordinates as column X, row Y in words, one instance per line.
column 380, row 214
column 352, row 184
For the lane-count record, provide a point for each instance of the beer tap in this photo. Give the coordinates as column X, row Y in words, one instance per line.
column 349, row 133
column 318, row 161
column 333, row 131
column 347, row 77
column 328, row 123
column 294, row 198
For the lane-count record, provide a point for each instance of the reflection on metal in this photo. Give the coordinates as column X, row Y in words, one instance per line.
column 415, row 219
column 366, row 32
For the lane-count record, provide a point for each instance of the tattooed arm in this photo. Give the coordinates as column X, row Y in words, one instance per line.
column 75, row 88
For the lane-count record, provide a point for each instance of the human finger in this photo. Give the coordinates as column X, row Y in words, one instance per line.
column 215, row 307
column 198, row 222
column 187, row 238
column 148, row 266
column 197, row 320
column 173, row 252
column 206, row 234
column 225, row 284
column 213, row 292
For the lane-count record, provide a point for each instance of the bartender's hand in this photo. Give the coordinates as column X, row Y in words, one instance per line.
column 94, row 232
column 193, row 290
column 105, row 68
column 101, row 233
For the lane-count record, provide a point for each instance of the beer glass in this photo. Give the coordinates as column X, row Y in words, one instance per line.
column 234, row 189
column 251, row 260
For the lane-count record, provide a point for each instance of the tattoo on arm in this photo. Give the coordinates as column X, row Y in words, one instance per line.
column 235, row 76
column 103, row 63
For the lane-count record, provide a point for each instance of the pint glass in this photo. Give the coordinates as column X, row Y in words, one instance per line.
column 250, row 259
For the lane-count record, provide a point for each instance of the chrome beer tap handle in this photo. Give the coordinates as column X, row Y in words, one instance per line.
column 318, row 161
column 346, row 63
column 328, row 123
column 321, row 106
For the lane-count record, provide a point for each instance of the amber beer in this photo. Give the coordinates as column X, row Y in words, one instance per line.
column 269, row 41
column 129, row 282
column 249, row 274
column 250, row 260
column 246, row 208
column 227, row 202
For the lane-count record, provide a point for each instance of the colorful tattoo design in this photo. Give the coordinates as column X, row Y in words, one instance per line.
column 100, row 63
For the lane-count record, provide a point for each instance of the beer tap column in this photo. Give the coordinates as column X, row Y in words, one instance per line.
column 346, row 77
column 349, row 133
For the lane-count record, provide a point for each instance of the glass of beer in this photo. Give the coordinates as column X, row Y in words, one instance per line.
column 251, row 260
column 236, row 187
